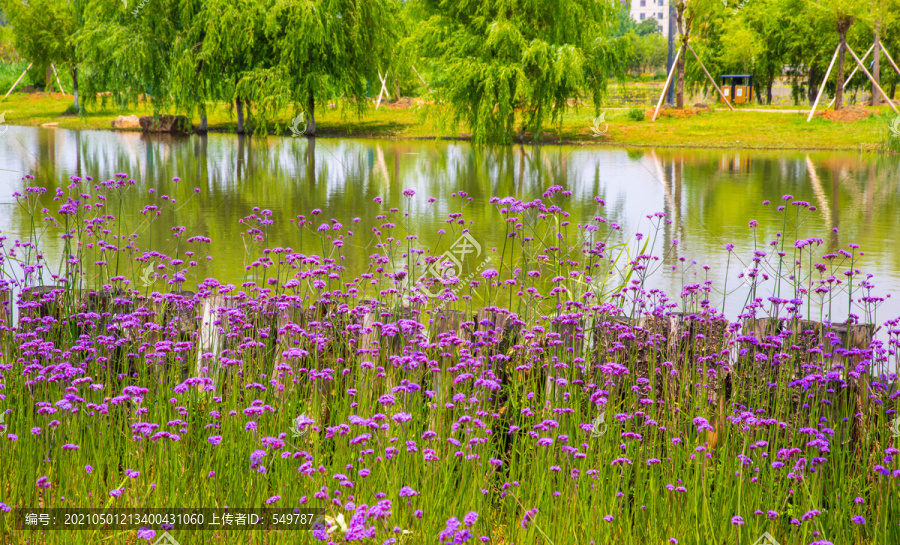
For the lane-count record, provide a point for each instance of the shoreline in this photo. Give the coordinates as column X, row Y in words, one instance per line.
column 860, row 130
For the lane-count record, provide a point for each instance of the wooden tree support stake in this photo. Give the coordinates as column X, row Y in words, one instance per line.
column 209, row 339
column 691, row 49
column 855, row 69
column 822, row 87
column 13, row 88
column 384, row 90
column 890, row 60
column 872, row 79
column 668, row 82
column 62, row 90
column 419, row 76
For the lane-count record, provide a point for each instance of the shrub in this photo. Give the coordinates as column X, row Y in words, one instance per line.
column 636, row 114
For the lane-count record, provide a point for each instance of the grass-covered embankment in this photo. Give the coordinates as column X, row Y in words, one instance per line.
column 706, row 128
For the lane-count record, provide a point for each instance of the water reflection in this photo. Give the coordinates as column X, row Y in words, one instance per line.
column 709, row 195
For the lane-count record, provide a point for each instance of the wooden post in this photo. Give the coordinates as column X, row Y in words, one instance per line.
column 822, row 87
column 668, row 82
column 62, row 90
column 691, row 49
column 11, row 89
column 209, row 338
column 383, row 91
column 419, row 76
column 855, row 69
column 872, row 79
column 888, row 57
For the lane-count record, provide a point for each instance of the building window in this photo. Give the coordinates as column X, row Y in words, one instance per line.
column 662, row 2
column 643, row 3
column 659, row 15
column 642, row 16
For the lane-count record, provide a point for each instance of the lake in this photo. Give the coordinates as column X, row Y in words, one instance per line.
column 710, row 196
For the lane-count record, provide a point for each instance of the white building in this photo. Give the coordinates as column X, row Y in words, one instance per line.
column 652, row 9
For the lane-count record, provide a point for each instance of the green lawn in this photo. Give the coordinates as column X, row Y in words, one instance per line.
column 713, row 128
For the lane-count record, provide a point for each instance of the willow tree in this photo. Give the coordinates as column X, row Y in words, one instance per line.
column 224, row 42
column 127, row 50
column 499, row 57
column 42, row 33
column 320, row 48
column 194, row 79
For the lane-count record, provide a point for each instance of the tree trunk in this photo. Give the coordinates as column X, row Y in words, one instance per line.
column 769, row 91
column 239, row 104
column 311, row 110
column 839, row 83
column 684, row 34
column 48, row 84
column 812, row 86
column 679, row 84
column 75, row 84
column 876, row 68
column 204, row 122
column 311, row 161
column 248, row 124
column 843, row 26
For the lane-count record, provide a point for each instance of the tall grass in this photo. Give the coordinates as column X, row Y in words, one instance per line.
column 553, row 397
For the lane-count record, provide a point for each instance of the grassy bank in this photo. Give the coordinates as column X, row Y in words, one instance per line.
column 715, row 127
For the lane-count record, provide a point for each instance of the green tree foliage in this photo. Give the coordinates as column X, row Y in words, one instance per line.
column 127, row 49
column 648, row 27
column 42, row 33
column 497, row 58
column 649, row 54
column 624, row 23
column 225, row 43
column 321, row 48
column 755, row 41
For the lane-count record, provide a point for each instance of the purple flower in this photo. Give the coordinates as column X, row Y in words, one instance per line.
column 115, row 493
column 858, row 520
column 146, row 533
column 272, row 500
column 407, row 491
column 449, row 530
column 215, row 440
column 89, row 469
column 702, row 424
column 738, row 521
column 470, row 519
column 529, row 516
